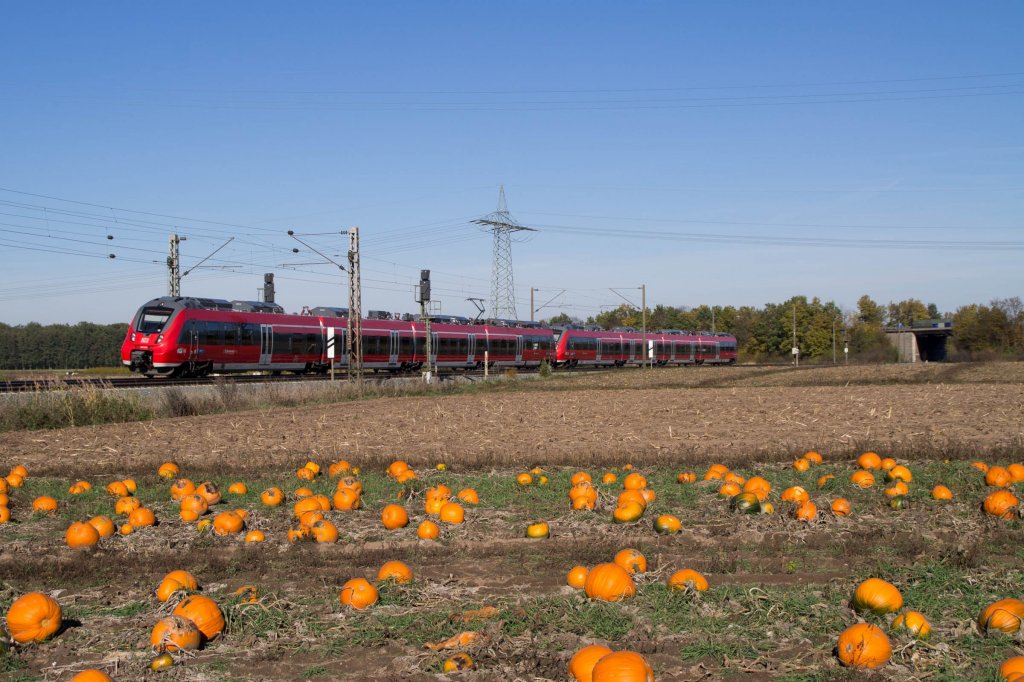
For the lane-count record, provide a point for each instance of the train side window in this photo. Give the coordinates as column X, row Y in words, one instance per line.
column 249, row 335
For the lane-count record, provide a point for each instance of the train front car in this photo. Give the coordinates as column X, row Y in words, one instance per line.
column 148, row 346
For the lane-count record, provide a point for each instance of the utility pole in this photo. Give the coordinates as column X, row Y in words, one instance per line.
column 643, row 317
column 423, row 297
column 713, row 320
column 796, row 349
column 531, row 302
column 833, row 340
column 354, row 342
column 502, row 225
column 174, row 266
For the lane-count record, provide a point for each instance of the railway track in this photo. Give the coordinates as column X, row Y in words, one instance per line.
column 71, row 383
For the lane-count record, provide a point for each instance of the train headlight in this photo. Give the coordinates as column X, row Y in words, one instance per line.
column 133, row 337
column 160, row 339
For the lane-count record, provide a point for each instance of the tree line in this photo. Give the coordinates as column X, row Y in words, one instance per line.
column 980, row 331
column 60, row 346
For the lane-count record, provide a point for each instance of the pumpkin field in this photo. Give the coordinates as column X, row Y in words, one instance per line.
column 738, row 523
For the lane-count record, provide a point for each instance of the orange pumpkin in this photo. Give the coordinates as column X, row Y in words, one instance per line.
column 79, row 487
column 758, row 486
column 795, row 494
column 632, row 561
column 306, row 504
column 1005, row 615
column 103, row 525
column 305, row 474
column 469, row 496
column 238, row 488
column 394, row 516
column 538, row 530
column 998, row 477
column 131, row 485
column 888, row 463
column 623, row 666
column 272, row 497
column 142, row 517
column 609, row 582
column 687, row 579
column 1001, row 504
column 33, row 617
column 806, row 511
column 167, row 470
column 729, row 490
column 716, row 472
column 581, row 665
column 634, row 481
column 579, row 477
column 609, row 478
column 524, row 479
column 81, row 536
column 117, row 489
column 181, row 488
column 452, row 512
column 878, row 596
column 869, row 460
column 208, row 491
column 801, row 464
column 228, row 523
column 428, row 530
column 126, row 505
column 396, row 571
column 353, row 484
column 1016, row 471
column 733, row 477
column 175, row 633
column 899, row 473
column 204, row 612
column 44, row 504
column 92, row 675
column 191, row 507
column 627, row 513
column 941, row 492
column 310, row 517
column 176, row 581
column 347, row 499
column 841, row 506
column 396, row 468
column 686, row 477
column 914, row 622
column 358, row 593
column 324, row 532
column 980, row 466
column 813, row 456
column 577, row 577
column 862, row 479
column 825, row 480
column 864, row 646
column 666, row 524
column 1012, row 669
column 255, row 536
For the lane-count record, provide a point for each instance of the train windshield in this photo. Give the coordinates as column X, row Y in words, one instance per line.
column 152, row 320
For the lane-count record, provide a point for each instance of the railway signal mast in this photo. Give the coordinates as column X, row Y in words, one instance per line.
column 502, row 225
column 423, row 298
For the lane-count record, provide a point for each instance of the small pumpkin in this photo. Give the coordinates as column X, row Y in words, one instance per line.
column 339, row 468
column 457, row 662
column 255, row 536
column 716, row 472
column 806, row 511
column 305, row 474
column 609, row 582
column 623, row 666
column 272, row 497
column 577, row 478
column 733, row 477
column 1001, row 504
column 634, row 481
column 1012, row 669
column 228, row 523
column 428, row 530
column 667, row 524
column 469, row 496
column 167, row 470
column 394, row 516
column 631, row 560
column 44, row 504
column 899, row 473
column 878, row 596
column 397, row 467
column 92, row 675
column 358, row 593
column 581, row 665
column 826, row 480
column 1005, row 615
column 175, row 633
column 888, row 463
column 103, row 525
column 396, row 571
column 524, row 479
column 347, row 499
column 841, row 506
column 795, row 494
column 142, row 517
column 209, row 491
column 941, row 492
column 686, row 477
column 324, row 532
column 181, row 488
column 117, row 489
column 998, row 477
column 864, row 646
column 914, row 622
column 131, row 485
column 452, row 512
column 238, row 488
column 813, row 457
column 176, row 581
column 627, row 513
column 538, row 530
column 81, row 536
column 759, row 486
column 161, row 662
column 729, row 490
column 126, row 505
column 609, row 478
column 80, row 487
column 862, row 479
column 204, row 612
column 801, row 464
column 577, row 577
column 869, row 460
column 745, row 503
column 687, row 579
column 33, row 617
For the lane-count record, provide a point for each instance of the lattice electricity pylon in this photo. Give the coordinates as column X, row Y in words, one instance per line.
column 502, row 225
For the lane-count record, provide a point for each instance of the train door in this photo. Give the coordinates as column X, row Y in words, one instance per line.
column 597, row 354
column 519, row 350
column 471, row 354
column 266, row 344
column 433, row 348
column 672, row 350
column 393, row 348
column 718, row 352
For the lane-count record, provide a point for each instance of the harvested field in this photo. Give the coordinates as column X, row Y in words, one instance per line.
column 780, row 588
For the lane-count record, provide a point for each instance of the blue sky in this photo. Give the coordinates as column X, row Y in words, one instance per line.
column 722, row 154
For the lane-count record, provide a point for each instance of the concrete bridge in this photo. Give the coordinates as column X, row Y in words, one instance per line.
column 923, row 341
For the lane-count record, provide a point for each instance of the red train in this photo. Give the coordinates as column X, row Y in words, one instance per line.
column 185, row 336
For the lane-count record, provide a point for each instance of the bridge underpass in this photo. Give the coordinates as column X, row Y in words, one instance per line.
column 924, row 341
